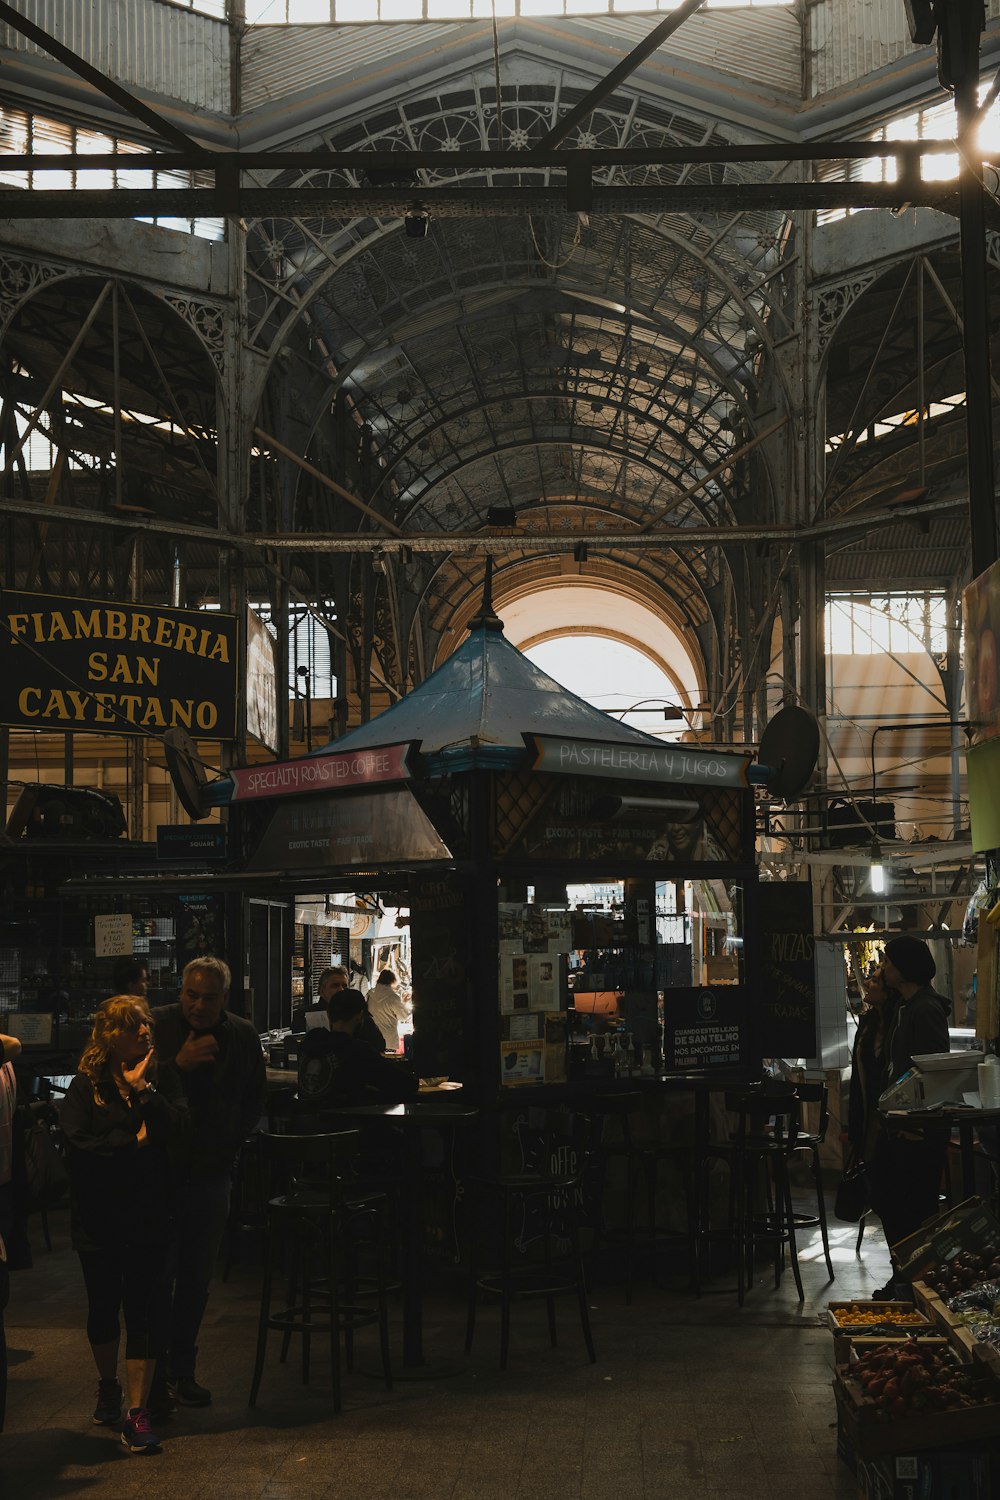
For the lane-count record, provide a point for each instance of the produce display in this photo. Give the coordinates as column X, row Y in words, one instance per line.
column 965, row 1271
column 978, row 1310
column 868, row 1315
column 909, row 1378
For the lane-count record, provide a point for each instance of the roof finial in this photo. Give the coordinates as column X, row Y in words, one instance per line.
column 487, row 619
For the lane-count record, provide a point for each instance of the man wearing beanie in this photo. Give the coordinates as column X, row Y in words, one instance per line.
column 908, row 1165
column 920, row 1022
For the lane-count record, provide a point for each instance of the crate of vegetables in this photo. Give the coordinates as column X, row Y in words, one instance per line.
column 969, row 1313
column 912, row 1395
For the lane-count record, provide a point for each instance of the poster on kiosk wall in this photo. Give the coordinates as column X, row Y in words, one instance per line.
column 705, row 1028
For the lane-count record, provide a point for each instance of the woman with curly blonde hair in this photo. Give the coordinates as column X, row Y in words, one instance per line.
column 122, row 1130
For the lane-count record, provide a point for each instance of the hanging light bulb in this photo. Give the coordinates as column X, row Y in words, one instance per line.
column 877, row 872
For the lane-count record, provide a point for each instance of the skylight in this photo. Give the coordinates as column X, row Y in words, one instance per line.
column 318, row 12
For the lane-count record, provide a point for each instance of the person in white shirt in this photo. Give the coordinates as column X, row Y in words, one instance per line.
column 387, row 1008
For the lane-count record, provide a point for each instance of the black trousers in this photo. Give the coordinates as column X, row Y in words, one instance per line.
column 131, row 1282
column 906, row 1177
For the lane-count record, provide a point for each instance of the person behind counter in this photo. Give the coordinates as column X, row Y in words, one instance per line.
column 907, row 1167
column 334, row 981
column 337, row 1068
column 122, row 1133
column 130, row 976
column 388, row 1008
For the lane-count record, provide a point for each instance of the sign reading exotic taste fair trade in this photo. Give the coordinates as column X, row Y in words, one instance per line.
column 115, row 668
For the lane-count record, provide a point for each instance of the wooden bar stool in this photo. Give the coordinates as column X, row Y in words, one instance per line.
column 811, row 1141
column 540, row 1205
column 312, row 1229
column 758, row 1150
column 609, row 1141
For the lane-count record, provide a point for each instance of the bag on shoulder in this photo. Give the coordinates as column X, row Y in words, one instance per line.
column 853, row 1198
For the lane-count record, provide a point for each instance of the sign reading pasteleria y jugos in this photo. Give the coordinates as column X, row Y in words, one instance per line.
column 115, row 668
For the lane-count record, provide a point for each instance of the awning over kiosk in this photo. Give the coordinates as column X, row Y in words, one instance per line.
column 344, row 832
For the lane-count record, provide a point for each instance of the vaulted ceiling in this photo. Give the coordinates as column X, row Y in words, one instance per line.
column 569, row 387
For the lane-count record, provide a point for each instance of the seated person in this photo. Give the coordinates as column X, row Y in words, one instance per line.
column 337, row 1067
column 333, row 981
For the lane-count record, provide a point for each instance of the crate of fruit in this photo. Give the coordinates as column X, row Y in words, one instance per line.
column 874, row 1317
column 967, row 1232
column 907, row 1395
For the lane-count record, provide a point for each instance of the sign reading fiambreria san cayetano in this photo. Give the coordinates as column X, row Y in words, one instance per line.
column 112, row 668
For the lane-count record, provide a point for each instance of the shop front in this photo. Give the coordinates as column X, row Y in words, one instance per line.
column 572, row 899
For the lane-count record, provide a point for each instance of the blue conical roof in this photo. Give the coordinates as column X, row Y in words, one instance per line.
column 487, row 694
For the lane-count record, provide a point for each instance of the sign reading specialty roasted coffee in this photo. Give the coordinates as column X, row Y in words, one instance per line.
column 321, row 773
column 115, row 668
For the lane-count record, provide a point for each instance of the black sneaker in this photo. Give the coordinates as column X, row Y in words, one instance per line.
column 108, row 1411
column 893, row 1291
column 160, row 1403
column 187, row 1392
column 137, row 1432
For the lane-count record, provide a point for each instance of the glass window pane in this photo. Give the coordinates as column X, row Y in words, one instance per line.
column 135, row 177
column 95, row 177
column 308, row 11
column 940, row 168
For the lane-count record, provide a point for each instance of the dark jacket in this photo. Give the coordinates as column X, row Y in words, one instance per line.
column 917, row 1025
column 867, row 1083
column 226, row 1097
column 369, row 1031
column 336, row 1069
column 122, row 1193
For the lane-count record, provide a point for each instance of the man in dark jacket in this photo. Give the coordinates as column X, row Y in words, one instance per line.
column 919, row 1022
column 908, row 1164
column 337, row 1068
column 221, row 1064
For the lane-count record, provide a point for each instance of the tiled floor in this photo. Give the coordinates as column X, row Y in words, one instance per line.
column 689, row 1397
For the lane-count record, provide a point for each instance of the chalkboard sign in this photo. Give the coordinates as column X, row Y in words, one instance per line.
column 788, row 962
column 705, row 1028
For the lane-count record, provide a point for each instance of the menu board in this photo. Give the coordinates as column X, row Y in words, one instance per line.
column 705, row 1028
column 788, row 1013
